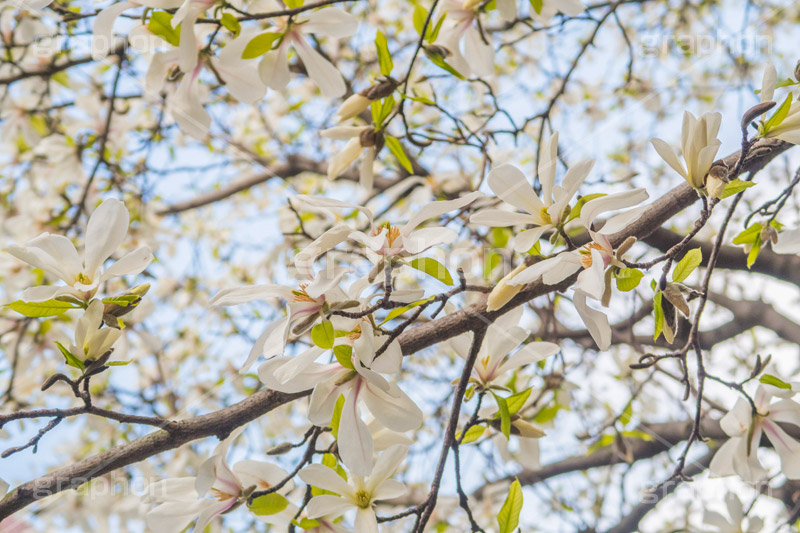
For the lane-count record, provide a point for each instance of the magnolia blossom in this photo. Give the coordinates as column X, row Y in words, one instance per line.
column 460, row 25
column 56, row 255
column 181, row 500
column 788, row 242
column 739, row 453
column 357, row 375
column 788, row 129
column 699, row 144
column 737, row 521
column 103, row 27
column 358, row 492
column 329, row 22
column 359, row 142
column 306, row 304
column 548, row 213
column 92, row 340
column 493, row 365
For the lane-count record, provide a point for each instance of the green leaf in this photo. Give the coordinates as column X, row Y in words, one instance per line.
column 433, row 33
column 41, row 309
column 754, row 251
column 160, row 24
column 269, row 504
column 260, row 44
column 384, row 57
column 119, row 363
column 344, row 354
column 504, row 415
column 508, row 517
column 547, row 414
column 306, row 523
column 439, row 61
column 419, row 18
column 659, row 315
column 433, row 268
column 516, row 401
column 686, row 266
column 394, row 313
column 397, row 150
column 230, row 23
column 125, row 300
column 575, row 212
column 628, row 279
column 537, row 6
column 337, row 416
column 491, row 261
column 735, row 187
column 71, row 359
column 473, row 434
column 779, row 115
column 294, row 4
column 323, row 335
column 768, row 379
column 749, row 235
column 627, row 414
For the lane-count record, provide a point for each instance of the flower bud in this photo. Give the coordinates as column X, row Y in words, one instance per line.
column 372, row 137
column 503, row 292
column 717, row 178
column 352, row 107
column 753, row 113
column 381, row 89
column 769, row 234
column 673, row 293
column 438, row 50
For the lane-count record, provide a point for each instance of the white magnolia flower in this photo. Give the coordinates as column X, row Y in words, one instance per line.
column 355, row 137
column 738, row 523
column 358, row 377
column 102, row 30
column 384, row 241
column 357, row 492
column 306, row 302
column 56, row 255
column 91, row 339
column 788, row 242
column 329, row 22
column 181, row 500
column 460, row 25
column 509, row 184
column 186, row 16
column 787, row 129
column 738, row 455
column 699, row 144
column 492, row 368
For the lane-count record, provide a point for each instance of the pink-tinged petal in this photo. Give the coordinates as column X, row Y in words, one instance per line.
column 240, row 295
column 787, row 448
column 211, row 510
column 52, row 253
column 355, row 440
column 320, row 70
column 328, row 505
column 668, row 154
column 325, row 478
column 131, row 263
column 297, row 364
column 330, row 22
column 613, row 202
column 785, row 411
column 510, row 184
column 437, row 209
column 274, row 67
column 596, row 321
column 103, row 29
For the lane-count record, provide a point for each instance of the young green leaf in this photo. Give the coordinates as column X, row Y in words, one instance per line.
column 659, row 315
column 260, row 44
column 779, row 115
column 754, row 251
column 439, row 61
column 419, row 18
column 516, row 401
column 768, row 379
column 230, row 23
column 749, row 235
column 537, row 6
column 686, row 266
column 473, row 434
column 508, row 517
column 735, row 186
column 628, row 279
column 384, row 57
column 344, row 354
column 160, row 24
column 323, row 335
column 504, row 415
column 41, row 309
column 337, row 416
column 269, row 504
column 433, row 268
column 71, row 359
column 397, row 150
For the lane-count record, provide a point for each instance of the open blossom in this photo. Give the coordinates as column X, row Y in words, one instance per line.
column 56, row 255
column 739, row 522
column 546, row 213
column 461, row 25
column 328, row 22
column 358, row 492
column 181, row 500
column 699, row 144
column 357, row 376
column 788, row 128
column 102, row 29
column 738, row 455
column 495, row 362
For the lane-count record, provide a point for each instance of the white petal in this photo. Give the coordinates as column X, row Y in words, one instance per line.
column 436, row 209
column 172, row 516
column 480, row 54
column 330, row 22
column 768, row 82
column 532, row 353
column 103, row 28
column 509, row 183
column 593, row 208
column 355, row 440
column 526, row 240
column 325, row 75
column 187, row 109
column 498, row 217
column 343, row 159
column 106, row 229
column 396, row 411
column 389, row 490
column 52, row 253
column 42, row 293
column 425, row 238
column 325, row 478
column 327, row 505
column 788, row 242
column 366, row 521
column 304, row 260
column 240, row 295
column 271, row 342
column 274, row 67
column 596, row 321
column 131, row 263
column 668, row 154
